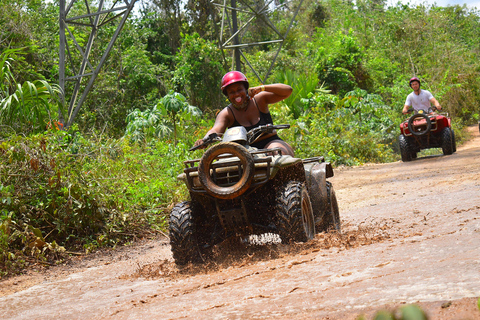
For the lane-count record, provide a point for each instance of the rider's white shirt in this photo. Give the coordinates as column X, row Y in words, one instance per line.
column 419, row 102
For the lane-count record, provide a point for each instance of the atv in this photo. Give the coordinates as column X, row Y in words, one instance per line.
column 238, row 191
column 426, row 130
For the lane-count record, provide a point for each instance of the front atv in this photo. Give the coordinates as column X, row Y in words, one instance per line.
column 423, row 131
column 237, row 190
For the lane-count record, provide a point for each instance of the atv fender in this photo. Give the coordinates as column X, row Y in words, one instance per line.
column 281, row 162
column 316, row 177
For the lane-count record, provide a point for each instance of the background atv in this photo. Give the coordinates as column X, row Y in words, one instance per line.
column 237, row 190
column 424, row 131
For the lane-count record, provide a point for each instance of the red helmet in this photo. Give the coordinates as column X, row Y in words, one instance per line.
column 232, row 77
column 414, row 79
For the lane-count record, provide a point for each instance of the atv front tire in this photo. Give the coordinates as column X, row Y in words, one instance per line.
column 404, row 148
column 182, row 234
column 294, row 214
column 447, row 145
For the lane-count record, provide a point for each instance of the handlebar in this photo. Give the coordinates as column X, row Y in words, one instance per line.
column 252, row 135
column 411, row 110
column 212, row 137
column 257, row 132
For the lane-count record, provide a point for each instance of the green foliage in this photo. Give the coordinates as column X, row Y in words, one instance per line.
column 199, row 71
column 162, row 119
column 339, row 61
column 373, row 114
column 141, row 77
column 144, row 125
column 303, row 85
column 348, row 63
column 408, row 312
column 62, row 190
column 351, row 131
column 25, row 107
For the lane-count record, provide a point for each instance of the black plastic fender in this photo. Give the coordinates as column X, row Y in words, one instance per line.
column 316, row 175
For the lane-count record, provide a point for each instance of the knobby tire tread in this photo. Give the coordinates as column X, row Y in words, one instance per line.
column 182, row 234
column 447, row 145
column 404, row 148
column 289, row 213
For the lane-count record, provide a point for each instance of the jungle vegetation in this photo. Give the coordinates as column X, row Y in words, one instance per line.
column 110, row 178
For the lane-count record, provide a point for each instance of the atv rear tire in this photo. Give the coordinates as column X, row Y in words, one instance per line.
column 182, row 234
column 294, row 214
column 404, row 148
column 417, row 117
column 247, row 170
column 331, row 220
column 447, row 145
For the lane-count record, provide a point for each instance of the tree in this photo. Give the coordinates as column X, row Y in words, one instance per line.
column 199, row 71
column 339, row 61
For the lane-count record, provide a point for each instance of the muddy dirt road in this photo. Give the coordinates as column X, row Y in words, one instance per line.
column 411, row 234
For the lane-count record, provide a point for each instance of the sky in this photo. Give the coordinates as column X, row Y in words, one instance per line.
column 471, row 4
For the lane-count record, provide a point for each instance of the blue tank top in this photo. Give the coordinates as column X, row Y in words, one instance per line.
column 265, row 118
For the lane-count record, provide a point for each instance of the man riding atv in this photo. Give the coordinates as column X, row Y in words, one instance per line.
column 419, row 99
column 249, row 108
column 426, row 128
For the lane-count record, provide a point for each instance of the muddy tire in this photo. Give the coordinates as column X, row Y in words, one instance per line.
column 182, row 234
column 331, row 220
column 415, row 118
column 294, row 214
column 454, row 143
column 246, row 173
column 447, row 145
column 404, row 148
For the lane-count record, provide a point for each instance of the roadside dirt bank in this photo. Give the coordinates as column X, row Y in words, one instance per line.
column 411, row 234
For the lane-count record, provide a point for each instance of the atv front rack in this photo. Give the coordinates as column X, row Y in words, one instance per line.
column 421, row 126
column 228, row 170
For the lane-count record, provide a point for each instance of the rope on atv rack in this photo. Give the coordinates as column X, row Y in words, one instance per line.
column 314, row 159
column 270, row 152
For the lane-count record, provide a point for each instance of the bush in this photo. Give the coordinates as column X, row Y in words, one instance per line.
column 61, row 190
column 350, row 131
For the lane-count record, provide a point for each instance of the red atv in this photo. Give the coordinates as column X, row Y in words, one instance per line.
column 425, row 131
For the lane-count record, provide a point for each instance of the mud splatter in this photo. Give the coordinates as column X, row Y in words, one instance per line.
column 237, row 253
